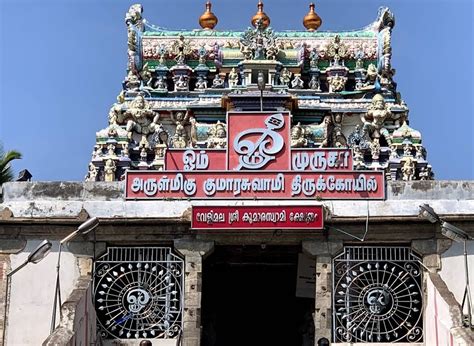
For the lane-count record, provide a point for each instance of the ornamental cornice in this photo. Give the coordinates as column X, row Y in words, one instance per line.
column 179, row 104
column 355, row 45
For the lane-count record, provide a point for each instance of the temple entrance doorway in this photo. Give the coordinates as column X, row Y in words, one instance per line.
column 249, row 298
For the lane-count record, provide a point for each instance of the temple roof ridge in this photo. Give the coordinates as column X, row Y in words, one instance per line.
column 384, row 18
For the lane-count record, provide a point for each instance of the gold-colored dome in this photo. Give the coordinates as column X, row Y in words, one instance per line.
column 312, row 21
column 261, row 15
column 208, row 20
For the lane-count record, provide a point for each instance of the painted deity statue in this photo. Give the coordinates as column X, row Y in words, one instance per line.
column 217, row 82
column 338, row 139
column 109, row 170
column 233, row 78
column 297, row 82
column 217, row 136
column 132, row 81
column 181, row 83
column 180, row 138
column 371, row 75
column 141, row 115
column 285, row 77
column 92, row 173
column 408, row 168
column 298, row 136
column 377, row 112
column 201, row 83
column 314, row 83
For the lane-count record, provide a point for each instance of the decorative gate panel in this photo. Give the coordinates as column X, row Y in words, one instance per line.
column 138, row 293
column 377, row 295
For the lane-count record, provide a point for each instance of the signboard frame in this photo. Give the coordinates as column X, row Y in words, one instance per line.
column 248, row 208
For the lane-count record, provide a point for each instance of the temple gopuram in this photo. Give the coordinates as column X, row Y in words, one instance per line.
column 338, row 87
column 252, row 187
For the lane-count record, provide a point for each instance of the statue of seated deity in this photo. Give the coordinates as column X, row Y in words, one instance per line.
column 233, row 78
column 132, row 81
column 217, row 82
column 297, row 82
column 181, row 83
column 201, row 83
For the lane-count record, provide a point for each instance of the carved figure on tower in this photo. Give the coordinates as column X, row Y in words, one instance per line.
column 377, row 112
column 109, row 170
column 217, row 136
column 338, row 139
column 298, row 136
column 142, row 119
column 180, row 138
column 233, row 78
column 285, row 77
column 259, row 43
column 201, row 83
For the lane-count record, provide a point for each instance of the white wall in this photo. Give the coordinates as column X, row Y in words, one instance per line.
column 32, row 294
column 437, row 318
column 453, row 272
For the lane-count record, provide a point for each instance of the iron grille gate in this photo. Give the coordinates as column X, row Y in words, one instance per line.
column 377, row 295
column 138, row 293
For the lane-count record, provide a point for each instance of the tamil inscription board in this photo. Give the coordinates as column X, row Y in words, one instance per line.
column 258, row 163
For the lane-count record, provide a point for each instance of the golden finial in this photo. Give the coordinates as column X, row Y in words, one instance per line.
column 312, row 21
column 208, row 20
column 261, row 15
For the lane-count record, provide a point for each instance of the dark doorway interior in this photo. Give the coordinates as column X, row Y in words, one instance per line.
column 249, row 298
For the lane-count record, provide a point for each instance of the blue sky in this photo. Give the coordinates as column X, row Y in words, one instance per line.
column 62, row 63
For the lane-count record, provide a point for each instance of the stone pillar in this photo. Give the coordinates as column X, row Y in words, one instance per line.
column 323, row 252
column 431, row 250
column 7, row 247
column 194, row 252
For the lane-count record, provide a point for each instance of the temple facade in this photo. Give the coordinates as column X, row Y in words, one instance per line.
column 251, row 188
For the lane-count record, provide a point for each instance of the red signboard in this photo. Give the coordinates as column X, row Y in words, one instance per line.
column 321, row 160
column 258, row 141
column 195, row 159
column 255, row 185
column 257, row 217
column 258, row 163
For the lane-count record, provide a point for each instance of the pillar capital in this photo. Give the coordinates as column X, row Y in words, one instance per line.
column 321, row 248
column 431, row 246
column 12, row 246
column 192, row 247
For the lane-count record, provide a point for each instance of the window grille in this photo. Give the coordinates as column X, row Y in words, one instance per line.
column 377, row 295
column 138, row 293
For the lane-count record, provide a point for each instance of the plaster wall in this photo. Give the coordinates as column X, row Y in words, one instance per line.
column 85, row 320
column 105, row 200
column 438, row 321
column 453, row 272
column 32, row 294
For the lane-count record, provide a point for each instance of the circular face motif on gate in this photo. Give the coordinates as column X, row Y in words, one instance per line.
column 138, row 299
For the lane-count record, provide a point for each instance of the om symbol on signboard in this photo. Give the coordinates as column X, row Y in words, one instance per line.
column 256, row 147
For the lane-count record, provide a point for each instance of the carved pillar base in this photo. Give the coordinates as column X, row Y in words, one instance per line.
column 323, row 253
column 194, row 252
